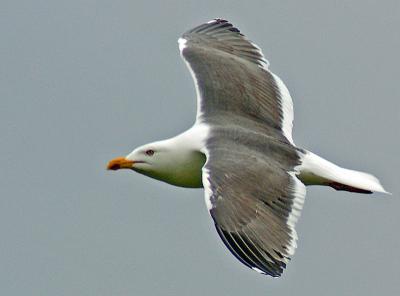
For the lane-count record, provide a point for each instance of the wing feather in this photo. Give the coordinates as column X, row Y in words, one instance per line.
column 251, row 189
column 231, row 76
column 254, row 198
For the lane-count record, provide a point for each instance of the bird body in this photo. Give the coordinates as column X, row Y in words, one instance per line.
column 241, row 150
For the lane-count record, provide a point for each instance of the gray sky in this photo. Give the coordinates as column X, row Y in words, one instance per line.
column 84, row 81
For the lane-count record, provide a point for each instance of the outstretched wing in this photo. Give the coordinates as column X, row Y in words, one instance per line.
column 254, row 197
column 232, row 79
column 249, row 177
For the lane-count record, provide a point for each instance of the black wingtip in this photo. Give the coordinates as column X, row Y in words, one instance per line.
column 224, row 21
column 214, row 25
column 220, row 20
column 240, row 248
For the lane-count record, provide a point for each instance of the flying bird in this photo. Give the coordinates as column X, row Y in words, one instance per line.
column 240, row 149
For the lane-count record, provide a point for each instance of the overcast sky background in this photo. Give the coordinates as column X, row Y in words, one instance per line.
column 82, row 82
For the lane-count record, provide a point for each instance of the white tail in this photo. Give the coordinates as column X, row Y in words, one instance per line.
column 315, row 170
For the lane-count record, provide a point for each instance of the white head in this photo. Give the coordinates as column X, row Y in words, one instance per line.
column 165, row 161
column 146, row 159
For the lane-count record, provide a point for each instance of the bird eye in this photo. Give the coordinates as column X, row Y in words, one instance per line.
column 150, row 152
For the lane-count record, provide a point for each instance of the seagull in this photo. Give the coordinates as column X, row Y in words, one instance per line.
column 241, row 151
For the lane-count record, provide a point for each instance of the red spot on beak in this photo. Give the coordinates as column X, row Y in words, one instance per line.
column 120, row 163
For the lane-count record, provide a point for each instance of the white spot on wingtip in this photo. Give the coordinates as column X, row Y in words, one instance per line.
column 258, row 270
column 182, row 44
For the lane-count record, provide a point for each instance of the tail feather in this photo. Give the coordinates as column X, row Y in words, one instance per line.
column 315, row 170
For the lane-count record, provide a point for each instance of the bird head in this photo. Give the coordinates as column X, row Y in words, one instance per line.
column 142, row 159
column 166, row 161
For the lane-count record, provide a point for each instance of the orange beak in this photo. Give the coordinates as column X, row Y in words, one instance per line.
column 120, row 163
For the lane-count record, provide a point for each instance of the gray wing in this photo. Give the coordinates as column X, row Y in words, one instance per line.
column 233, row 81
column 254, row 197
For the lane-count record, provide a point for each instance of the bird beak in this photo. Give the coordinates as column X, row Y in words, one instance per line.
column 120, row 163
